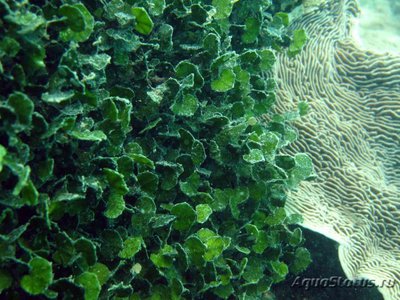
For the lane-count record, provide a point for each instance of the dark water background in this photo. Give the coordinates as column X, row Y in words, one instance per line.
column 325, row 263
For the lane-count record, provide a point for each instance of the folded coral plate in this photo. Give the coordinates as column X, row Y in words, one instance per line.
column 352, row 134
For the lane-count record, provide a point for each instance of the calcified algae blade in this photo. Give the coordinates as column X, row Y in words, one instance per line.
column 352, row 134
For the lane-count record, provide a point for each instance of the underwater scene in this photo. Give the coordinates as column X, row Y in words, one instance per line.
column 200, row 149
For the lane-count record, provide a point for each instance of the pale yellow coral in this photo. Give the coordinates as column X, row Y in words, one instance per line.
column 352, row 134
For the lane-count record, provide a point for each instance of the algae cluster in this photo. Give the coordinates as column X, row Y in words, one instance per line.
column 132, row 165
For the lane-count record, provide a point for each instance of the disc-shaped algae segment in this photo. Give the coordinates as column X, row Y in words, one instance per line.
column 352, row 133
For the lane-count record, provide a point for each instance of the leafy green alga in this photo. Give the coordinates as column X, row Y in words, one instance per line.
column 39, row 278
column 144, row 24
column 133, row 159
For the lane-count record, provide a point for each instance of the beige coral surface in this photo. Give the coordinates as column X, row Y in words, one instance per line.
column 352, row 134
column 378, row 26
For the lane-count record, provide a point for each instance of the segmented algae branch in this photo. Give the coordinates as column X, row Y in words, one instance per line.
column 132, row 165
